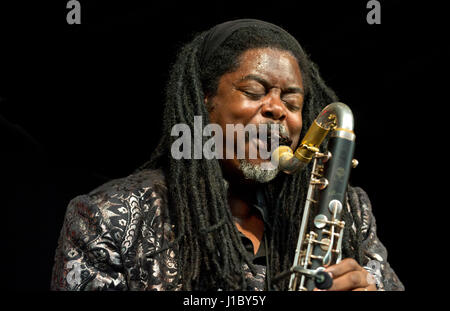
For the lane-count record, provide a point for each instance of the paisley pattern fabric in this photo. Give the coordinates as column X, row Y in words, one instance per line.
column 108, row 237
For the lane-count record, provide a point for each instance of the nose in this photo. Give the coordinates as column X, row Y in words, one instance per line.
column 273, row 107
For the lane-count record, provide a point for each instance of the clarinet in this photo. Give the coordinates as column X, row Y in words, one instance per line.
column 322, row 245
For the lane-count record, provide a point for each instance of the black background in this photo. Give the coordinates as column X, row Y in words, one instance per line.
column 81, row 104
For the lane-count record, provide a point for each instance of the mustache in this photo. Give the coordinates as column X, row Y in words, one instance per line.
column 275, row 131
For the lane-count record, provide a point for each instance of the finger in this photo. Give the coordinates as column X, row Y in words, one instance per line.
column 370, row 288
column 345, row 266
column 350, row 281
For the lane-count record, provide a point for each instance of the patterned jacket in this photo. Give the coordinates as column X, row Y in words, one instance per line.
column 107, row 237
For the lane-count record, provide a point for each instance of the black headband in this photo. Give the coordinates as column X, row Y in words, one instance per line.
column 219, row 33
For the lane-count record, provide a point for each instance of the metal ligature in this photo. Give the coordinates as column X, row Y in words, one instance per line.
column 322, row 245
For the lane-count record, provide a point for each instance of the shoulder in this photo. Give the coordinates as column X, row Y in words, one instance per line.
column 358, row 196
column 375, row 252
column 138, row 183
column 358, row 201
column 118, row 206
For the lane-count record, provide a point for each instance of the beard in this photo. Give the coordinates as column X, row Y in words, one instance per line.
column 256, row 172
column 265, row 171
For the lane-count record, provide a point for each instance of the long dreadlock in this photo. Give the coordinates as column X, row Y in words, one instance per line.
column 198, row 194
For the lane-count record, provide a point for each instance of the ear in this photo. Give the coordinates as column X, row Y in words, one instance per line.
column 208, row 103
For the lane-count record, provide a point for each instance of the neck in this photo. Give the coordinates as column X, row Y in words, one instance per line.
column 241, row 191
column 241, row 197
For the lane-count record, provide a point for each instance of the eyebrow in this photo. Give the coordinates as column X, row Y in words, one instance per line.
column 265, row 83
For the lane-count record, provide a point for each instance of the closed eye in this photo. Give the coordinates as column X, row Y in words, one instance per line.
column 258, row 96
column 253, row 96
column 292, row 107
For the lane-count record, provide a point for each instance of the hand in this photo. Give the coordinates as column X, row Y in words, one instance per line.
column 349, row 275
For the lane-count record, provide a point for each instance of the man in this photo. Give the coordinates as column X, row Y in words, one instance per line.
column 209, row 224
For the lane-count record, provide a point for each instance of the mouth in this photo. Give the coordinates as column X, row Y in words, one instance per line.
column 262, row 143
column 279, row 140
column 271, row 140
column 278, row 137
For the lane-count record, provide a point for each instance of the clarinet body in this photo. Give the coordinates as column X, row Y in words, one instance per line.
column 320, row 246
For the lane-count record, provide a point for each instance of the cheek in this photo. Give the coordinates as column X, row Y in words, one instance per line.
column 295, row 124
column 233, row 109
column 244, row 111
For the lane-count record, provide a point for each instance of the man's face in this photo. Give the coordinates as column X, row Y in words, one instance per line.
column 266, row 88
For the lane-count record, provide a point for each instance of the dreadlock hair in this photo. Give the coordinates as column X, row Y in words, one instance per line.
column 198, row 195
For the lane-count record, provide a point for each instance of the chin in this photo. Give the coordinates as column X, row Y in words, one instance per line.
column 258, row 170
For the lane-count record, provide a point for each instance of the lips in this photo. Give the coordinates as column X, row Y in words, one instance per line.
column 273, row 141
column 280, row 138
column 283, row 140
column 275, row 135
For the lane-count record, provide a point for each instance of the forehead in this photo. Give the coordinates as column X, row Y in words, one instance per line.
column 275, row 65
